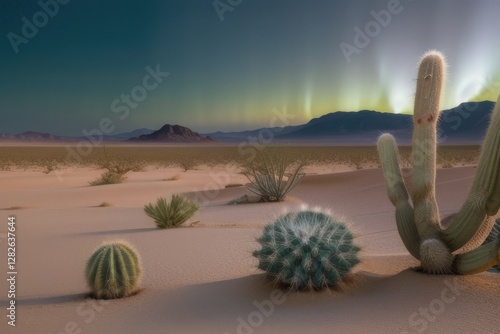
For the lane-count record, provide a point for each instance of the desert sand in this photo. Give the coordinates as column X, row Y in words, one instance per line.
column 202, row 278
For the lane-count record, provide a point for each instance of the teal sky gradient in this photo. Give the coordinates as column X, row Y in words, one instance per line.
column 230, row 75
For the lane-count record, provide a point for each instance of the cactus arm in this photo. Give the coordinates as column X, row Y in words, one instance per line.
column 484, row 198
column 405, row 222
column 489, row 169
column 479, row 259
column 388, row 154
column 481, row 234
column 398, row 195
column 426, row 113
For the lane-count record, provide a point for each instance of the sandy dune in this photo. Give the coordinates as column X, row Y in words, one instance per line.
column 202, row 279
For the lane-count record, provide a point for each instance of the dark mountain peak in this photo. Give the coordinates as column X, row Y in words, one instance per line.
column 173, row 133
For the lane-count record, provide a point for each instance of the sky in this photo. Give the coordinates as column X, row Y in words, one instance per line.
column 69, row 66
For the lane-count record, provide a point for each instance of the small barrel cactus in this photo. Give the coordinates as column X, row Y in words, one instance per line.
column 113, row 271
column 307, row 250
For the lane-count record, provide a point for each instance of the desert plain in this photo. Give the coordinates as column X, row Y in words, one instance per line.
column 201, row 277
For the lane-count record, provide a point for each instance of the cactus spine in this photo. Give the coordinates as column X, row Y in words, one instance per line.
column 420, row 227
column 307, row 250
column 113, row 271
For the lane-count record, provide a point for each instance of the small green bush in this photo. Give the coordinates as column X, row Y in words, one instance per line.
column 171, row 214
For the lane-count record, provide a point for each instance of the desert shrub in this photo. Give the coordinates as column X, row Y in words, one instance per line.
column 108, row 178
column 240, row 200
column 50, row 167
column 116, row 170
column 5, row 166
column 113, row 271
column 273, row 173
column 122, row 166
column 188, row 164
column 307, row 250
column 173, row 213
column 447, row 164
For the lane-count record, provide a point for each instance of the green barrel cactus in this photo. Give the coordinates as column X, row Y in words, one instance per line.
column 307, row 250
column 453, row 245
column 113, row 271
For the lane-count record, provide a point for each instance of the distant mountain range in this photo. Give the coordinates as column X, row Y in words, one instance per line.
column 464, row 124
column 172, row 133
column 30, row 136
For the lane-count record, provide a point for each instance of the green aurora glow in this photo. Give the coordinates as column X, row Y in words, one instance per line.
column 230, row 75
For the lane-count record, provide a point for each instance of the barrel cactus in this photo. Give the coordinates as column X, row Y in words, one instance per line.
column 113, row 271
column 453, row 245
column 307, row 250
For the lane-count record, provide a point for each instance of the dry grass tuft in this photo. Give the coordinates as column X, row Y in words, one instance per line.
column 234, row 185
column 173, row 178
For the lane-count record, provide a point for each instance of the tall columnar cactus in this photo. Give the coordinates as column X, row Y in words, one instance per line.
column 307, row 250
column 453, row 245
column 113, row 271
